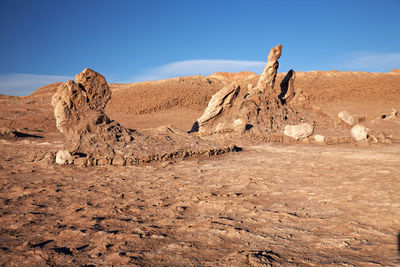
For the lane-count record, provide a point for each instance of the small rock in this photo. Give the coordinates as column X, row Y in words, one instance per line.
column 63, row 157
column 319, row 138
column 239, row 126
column 346, row 117
column 359, row 132
column 299, row 131
column 118, row 160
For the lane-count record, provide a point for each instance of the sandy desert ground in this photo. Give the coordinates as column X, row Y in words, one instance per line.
column 273, row 204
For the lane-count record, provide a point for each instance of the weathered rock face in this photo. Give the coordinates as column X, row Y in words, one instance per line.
column 258, row 111
column 79, row 112
column 291, row 95
column 220, row 101
column 346, row 117
column 267, row 78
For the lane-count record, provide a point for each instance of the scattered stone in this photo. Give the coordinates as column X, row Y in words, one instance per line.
column 359, row 132
column 299, row 131
column 319, row 138
column 63, row 157
column 346, row 117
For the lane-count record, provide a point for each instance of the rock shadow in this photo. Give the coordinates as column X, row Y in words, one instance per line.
column 285, row 86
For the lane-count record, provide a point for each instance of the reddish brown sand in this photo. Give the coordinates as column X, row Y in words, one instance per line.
column 271, row 203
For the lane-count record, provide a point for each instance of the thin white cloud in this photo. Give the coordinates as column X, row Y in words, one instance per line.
column 370, row 61
column 195, row 67
column 19, row 84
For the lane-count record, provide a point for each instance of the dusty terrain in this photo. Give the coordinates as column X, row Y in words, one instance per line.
column 272, row 203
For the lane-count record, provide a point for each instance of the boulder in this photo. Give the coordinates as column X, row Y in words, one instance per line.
column 359, row 132
column 63, row 157
column 299, row 131
column 319, row 138
column 239, row 126
column 346, row 117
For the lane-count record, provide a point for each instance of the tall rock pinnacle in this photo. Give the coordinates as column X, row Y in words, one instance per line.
column 267, row 79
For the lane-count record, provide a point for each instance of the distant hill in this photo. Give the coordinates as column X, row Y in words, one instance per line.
column 194, row 92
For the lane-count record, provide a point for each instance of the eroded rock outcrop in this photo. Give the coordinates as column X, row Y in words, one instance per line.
column 92, row 138
column 79, row 112
column 259, row 111
column 220, row 101
column 267, row 79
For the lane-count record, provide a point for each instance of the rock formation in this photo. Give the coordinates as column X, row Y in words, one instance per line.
column 79, row 112
column 92, row 138
column 267, row 79
column 219, row 102
column 259, row 111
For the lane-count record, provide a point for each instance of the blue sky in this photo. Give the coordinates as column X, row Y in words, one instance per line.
column 128, row 41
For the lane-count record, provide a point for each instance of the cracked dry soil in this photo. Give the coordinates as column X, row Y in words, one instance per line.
column 271, row 204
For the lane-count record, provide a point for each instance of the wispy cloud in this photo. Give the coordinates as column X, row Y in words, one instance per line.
column 195, row 67
column 19, row 84
column 370, row 61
